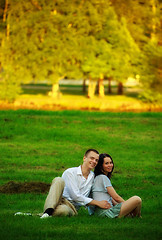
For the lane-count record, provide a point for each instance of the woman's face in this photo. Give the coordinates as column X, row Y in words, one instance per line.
column 107, row 165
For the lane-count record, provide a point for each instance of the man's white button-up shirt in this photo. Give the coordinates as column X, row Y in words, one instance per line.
column 77, row 188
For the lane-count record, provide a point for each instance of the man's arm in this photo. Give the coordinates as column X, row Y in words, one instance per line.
column 72, row 190
column 101, row 204
column 76, row 196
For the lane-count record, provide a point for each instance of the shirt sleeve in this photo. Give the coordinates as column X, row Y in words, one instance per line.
column 73, row 189
column 106, row 182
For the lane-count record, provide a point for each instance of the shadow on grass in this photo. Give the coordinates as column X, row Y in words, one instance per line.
column 75, row 90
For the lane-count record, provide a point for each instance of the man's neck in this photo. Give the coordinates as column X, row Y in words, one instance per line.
column 85, row 171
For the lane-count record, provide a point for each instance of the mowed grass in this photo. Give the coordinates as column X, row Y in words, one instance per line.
column 40, row 145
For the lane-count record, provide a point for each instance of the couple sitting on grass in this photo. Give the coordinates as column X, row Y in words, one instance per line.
column 71, row 191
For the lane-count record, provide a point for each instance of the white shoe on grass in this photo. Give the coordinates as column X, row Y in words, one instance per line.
column 45, row 215
column 24, row 214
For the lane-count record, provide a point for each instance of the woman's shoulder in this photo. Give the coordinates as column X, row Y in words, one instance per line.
column 101, row 176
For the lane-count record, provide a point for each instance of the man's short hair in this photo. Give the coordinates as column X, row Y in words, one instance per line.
column 91, row 150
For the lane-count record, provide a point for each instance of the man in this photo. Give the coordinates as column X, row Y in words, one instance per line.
column 71, row 191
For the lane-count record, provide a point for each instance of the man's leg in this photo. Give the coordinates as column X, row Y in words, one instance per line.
column 63, row 210
column 55, row 194
column 56, row 205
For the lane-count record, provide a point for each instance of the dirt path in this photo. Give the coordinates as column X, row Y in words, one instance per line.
column 27, row 187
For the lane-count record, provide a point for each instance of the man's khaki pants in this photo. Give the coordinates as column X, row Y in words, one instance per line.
column 61, row 206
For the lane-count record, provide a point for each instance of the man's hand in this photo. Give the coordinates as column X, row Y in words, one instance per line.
column 104, row 204
column 101, row 204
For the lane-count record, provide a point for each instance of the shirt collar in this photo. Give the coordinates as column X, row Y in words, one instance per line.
column 79, row 172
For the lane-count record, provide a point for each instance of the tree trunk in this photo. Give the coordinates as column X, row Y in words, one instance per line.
column 5, row 11
column 84, row 85
column 120, row 88
column 97, row 87
column 55, row 93
column 109, row 85
column 101, row 88
column 153, row 33
column 4, row 19
column 91, row 88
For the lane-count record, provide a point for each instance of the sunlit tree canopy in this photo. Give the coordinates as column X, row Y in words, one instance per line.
column 79, row 39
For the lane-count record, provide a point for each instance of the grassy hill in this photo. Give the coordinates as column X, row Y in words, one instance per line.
column 37, row 146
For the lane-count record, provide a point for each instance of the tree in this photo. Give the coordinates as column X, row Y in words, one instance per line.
column 124, row 50
column 144, row 23
column 97, row 64
column 151, row 72
column 39, row 50
column 112, row 51
column 126, row 56
column 76, row 39
column 9, row 86
column 139, row 15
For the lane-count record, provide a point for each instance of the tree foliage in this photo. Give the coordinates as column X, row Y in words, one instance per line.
column 78, row 39
column 144, row 20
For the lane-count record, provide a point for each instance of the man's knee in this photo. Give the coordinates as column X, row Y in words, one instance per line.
column 58, row 180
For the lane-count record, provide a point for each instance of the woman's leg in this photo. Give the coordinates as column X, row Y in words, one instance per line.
column 132, row 205
column 137, row 210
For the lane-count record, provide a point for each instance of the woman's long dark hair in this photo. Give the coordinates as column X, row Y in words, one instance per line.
column 99, row 169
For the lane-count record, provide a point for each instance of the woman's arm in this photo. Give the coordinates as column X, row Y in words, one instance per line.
column 114, row 202
column 111, row 191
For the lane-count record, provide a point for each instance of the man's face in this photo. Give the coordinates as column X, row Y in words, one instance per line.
column 91, row 160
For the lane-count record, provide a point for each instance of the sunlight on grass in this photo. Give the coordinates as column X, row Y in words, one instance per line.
column 73, row 97
column 112, row 103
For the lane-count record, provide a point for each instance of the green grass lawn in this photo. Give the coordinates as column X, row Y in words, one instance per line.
column 40, row 145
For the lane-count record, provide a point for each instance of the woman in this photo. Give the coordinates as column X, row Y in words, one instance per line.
column 103, row 190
